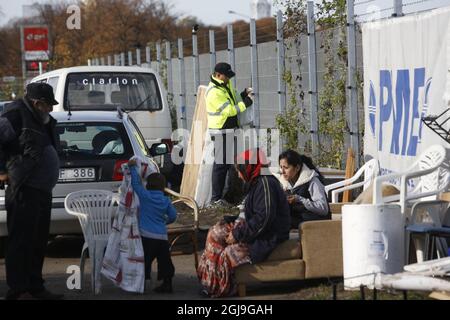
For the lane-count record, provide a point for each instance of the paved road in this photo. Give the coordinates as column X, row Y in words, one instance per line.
column 64, row 252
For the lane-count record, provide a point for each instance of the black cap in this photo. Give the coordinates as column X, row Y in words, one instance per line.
column 225, row 69
column 41, row 91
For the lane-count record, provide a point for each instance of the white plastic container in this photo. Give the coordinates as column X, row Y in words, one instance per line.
column 373, row 241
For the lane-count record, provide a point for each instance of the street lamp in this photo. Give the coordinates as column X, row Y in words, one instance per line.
column 239, row 14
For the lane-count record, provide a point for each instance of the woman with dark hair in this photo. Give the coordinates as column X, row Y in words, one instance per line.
column 303, row 184
column 231, row 243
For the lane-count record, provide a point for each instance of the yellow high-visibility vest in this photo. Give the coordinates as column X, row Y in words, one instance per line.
column 220, row 105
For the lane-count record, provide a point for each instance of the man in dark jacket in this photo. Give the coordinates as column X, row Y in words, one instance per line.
column 29, row 164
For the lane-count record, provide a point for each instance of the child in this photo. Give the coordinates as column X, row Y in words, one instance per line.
column 156, row 211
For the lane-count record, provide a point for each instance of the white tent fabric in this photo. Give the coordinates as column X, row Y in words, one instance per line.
column 203, row 191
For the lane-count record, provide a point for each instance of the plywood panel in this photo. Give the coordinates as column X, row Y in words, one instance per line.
column 194, row 150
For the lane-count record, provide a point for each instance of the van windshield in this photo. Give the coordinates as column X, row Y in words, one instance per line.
column 109, row 90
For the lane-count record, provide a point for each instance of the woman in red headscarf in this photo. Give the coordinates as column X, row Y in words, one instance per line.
column 250, row 240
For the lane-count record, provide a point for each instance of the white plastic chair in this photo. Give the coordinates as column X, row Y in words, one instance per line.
column 432, row 171
column 94, row 209
column 370, row 170
column 430, row 228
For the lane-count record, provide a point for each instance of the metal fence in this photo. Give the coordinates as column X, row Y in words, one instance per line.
column 263, row 66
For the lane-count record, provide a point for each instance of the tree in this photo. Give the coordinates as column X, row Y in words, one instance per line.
column 125, row 24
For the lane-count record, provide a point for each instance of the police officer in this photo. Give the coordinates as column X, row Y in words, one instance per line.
column 223, row 105
column 29, row 164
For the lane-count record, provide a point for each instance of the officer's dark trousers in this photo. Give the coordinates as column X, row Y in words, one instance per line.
column 224, row 151
column 28, row 221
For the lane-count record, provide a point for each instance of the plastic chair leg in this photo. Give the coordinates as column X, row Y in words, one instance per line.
column 98, row 260
column 408, row 246
column 428, row 249
column 92, row 254
column 84, row 253
column 441, row 246
column 418, row 244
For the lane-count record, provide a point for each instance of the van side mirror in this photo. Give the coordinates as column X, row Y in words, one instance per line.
column 158, row 149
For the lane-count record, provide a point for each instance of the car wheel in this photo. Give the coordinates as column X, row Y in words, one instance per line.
column 2, row 247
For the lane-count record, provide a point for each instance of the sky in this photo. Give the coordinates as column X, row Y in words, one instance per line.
column 215, row 12
column 205, row 10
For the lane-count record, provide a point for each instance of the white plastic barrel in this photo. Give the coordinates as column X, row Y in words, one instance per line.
column 372, row 242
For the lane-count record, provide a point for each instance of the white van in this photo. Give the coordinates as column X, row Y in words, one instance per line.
column 137, row 90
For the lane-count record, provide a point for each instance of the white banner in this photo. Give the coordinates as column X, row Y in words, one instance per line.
column 36, row 55
column 405, row 72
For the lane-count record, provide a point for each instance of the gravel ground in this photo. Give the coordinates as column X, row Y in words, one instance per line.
column 65, row 251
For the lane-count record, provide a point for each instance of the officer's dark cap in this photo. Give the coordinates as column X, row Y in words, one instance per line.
column 225, row 69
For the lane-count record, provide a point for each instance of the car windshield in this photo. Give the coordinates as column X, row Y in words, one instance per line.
column 108, row 90
column 92, row 140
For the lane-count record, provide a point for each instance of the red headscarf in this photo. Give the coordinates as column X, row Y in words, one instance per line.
column 250, row 162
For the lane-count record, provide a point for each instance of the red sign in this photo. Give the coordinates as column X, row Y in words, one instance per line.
column 34, row 65
column 35, row 38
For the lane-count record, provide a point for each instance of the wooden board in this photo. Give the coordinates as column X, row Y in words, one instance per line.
column 445, row 196
column 194, row 150
column 349, row 172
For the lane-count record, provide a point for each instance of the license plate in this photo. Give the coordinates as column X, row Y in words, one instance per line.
column 76, row 174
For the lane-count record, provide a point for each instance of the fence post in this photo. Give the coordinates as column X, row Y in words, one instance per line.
column 183, row 118
column 169, row 68
column 24, row 65
column 398, row 10
column 351, row 85
column 130, row 58
column 147, row 56
column 89, row 62
column 122, row 58
column 312, row 66
column 116, row 59
column 212, row 50
column 102, row 61
column 138, row 56
column 254, row 70
column 280, row 64
column 281, row 68
column 230, row 49
column 195, row 61
column 109, row 59
column 158, row 58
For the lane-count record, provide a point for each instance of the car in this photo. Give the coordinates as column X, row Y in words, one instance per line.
column 138, row 90
column 92, row 147
column 2, row 105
